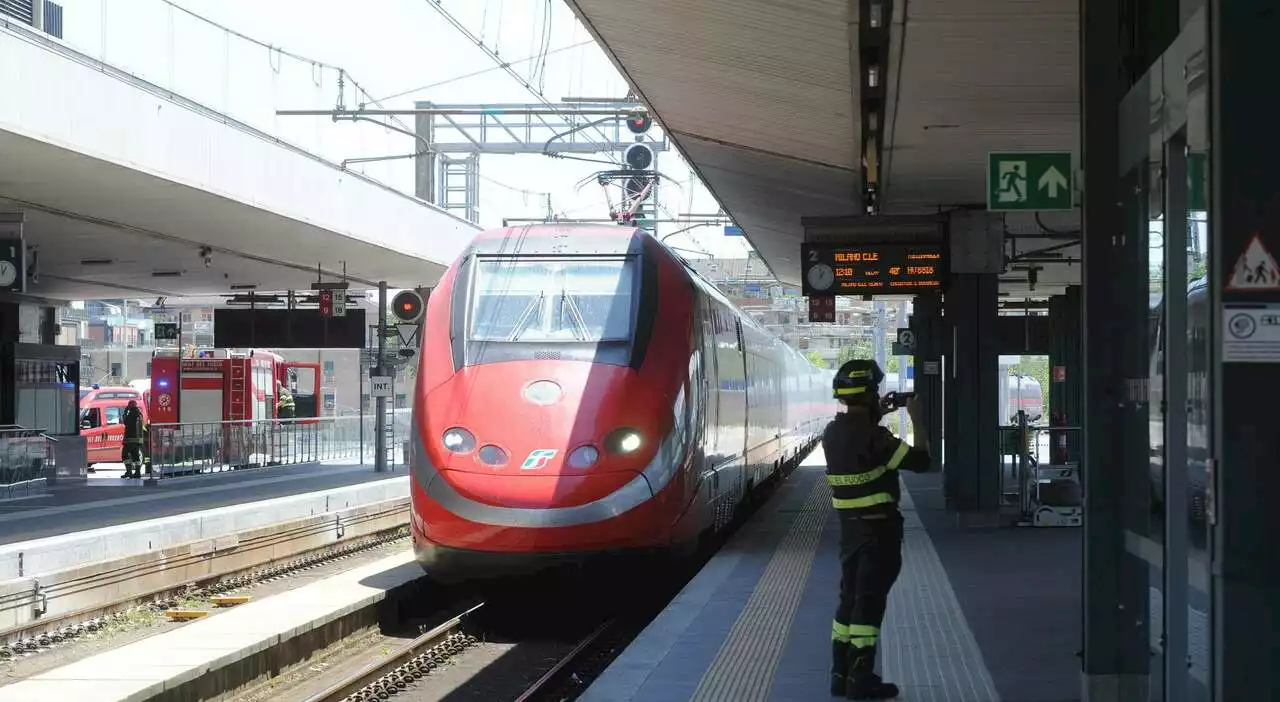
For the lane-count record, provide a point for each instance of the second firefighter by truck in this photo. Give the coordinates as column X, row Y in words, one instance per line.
column 135, row 439
column 863, row 460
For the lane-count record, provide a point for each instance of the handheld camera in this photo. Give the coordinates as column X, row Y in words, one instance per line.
column 896, row 400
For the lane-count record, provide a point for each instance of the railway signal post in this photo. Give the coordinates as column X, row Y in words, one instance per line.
column 379, row 371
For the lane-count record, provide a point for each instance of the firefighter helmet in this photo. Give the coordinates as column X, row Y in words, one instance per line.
column 856, row 377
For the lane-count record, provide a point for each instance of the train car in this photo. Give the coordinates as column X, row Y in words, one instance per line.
column 582, row 391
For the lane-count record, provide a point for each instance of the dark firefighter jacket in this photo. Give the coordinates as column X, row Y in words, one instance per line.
column 135, row 427
column 863, row 460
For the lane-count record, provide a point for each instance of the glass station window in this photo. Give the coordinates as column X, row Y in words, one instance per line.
column 45, row 393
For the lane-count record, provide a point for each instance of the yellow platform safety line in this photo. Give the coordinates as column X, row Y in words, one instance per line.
column 183, row 615
column 230, row 600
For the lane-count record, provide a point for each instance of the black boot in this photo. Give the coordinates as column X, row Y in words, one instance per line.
column 862, row 682
column 839, row 667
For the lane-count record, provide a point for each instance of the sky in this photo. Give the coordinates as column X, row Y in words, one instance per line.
column 385, row 48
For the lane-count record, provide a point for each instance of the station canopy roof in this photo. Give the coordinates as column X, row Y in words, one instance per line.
column 761, row 97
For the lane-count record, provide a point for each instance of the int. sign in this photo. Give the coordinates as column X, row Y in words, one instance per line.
column 380, row 386
column 1031, row 181
column 871, row 269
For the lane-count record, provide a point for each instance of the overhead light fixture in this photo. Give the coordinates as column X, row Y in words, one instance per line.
column 245, row 286
column 96, row 261
column 166, row 274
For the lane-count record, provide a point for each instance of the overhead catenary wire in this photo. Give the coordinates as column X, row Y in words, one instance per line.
column 483, row 71
column 439, row 8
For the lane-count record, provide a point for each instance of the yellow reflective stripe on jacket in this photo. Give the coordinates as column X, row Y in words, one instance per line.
column 850, row 391
column 878, row 498
column 898, row 455
column 852, row 479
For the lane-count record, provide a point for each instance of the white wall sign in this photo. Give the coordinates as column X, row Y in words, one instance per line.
column 1251, row 333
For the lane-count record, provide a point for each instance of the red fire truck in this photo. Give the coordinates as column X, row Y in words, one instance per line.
column 215, row 401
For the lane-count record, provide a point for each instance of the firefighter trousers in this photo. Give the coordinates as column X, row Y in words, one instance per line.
column 870, row 560
column 133, row 457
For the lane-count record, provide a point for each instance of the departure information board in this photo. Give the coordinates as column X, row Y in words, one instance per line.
column 873, row 269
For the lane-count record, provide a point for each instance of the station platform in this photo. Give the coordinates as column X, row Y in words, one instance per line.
column 106, row 500
column 977, row 615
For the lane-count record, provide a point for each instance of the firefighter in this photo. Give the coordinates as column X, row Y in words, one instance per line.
column 284, row 402
column 135, row 437
column 862, row 463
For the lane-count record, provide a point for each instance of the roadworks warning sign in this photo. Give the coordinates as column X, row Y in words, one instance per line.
column 1256, row 269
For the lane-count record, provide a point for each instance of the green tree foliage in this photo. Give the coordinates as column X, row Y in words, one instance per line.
column 858, row 348
column 816, row 359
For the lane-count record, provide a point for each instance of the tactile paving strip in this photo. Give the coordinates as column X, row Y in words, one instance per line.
column 743, row 668
column 928, row 648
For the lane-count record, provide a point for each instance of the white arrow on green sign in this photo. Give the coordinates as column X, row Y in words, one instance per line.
column 1033, row 181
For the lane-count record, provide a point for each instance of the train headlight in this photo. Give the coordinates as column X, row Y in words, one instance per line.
column 584, row 457
column 491, row 455
column 623, row 441
column 459, row 440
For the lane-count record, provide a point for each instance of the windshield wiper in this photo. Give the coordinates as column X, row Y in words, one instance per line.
column 525, row 315
column 580, row 330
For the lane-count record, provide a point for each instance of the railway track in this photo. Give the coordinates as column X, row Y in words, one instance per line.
column 397, row 672
column 91, row 598
column 410, row 663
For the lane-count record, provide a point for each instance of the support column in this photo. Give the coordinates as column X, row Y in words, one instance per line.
column 926, row 322
column 1244, row 482
column 1116, row 650
column 426, row 167
column 972, row 475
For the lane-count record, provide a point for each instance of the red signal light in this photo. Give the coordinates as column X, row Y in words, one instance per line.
column 639, row 122
column 407, row 306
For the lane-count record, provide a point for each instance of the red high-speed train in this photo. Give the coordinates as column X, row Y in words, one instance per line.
column 583, row 391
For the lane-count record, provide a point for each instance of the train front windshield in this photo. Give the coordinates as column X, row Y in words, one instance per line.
column 571, row 307
column 548, row 300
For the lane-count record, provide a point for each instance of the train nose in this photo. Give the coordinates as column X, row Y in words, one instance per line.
column 526, row 434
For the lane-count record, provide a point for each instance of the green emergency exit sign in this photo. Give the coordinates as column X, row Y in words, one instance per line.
column 1032, row 181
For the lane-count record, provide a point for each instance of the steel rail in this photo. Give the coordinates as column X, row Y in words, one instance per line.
column 376, row 671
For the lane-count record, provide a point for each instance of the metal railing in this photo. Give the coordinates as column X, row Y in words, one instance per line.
column 1042, row 493
column 26, row 456
column 193, row 448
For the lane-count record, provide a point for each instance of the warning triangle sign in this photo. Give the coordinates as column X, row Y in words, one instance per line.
column 1256, row 269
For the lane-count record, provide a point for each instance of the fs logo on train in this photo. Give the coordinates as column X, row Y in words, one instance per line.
column 538, row 459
